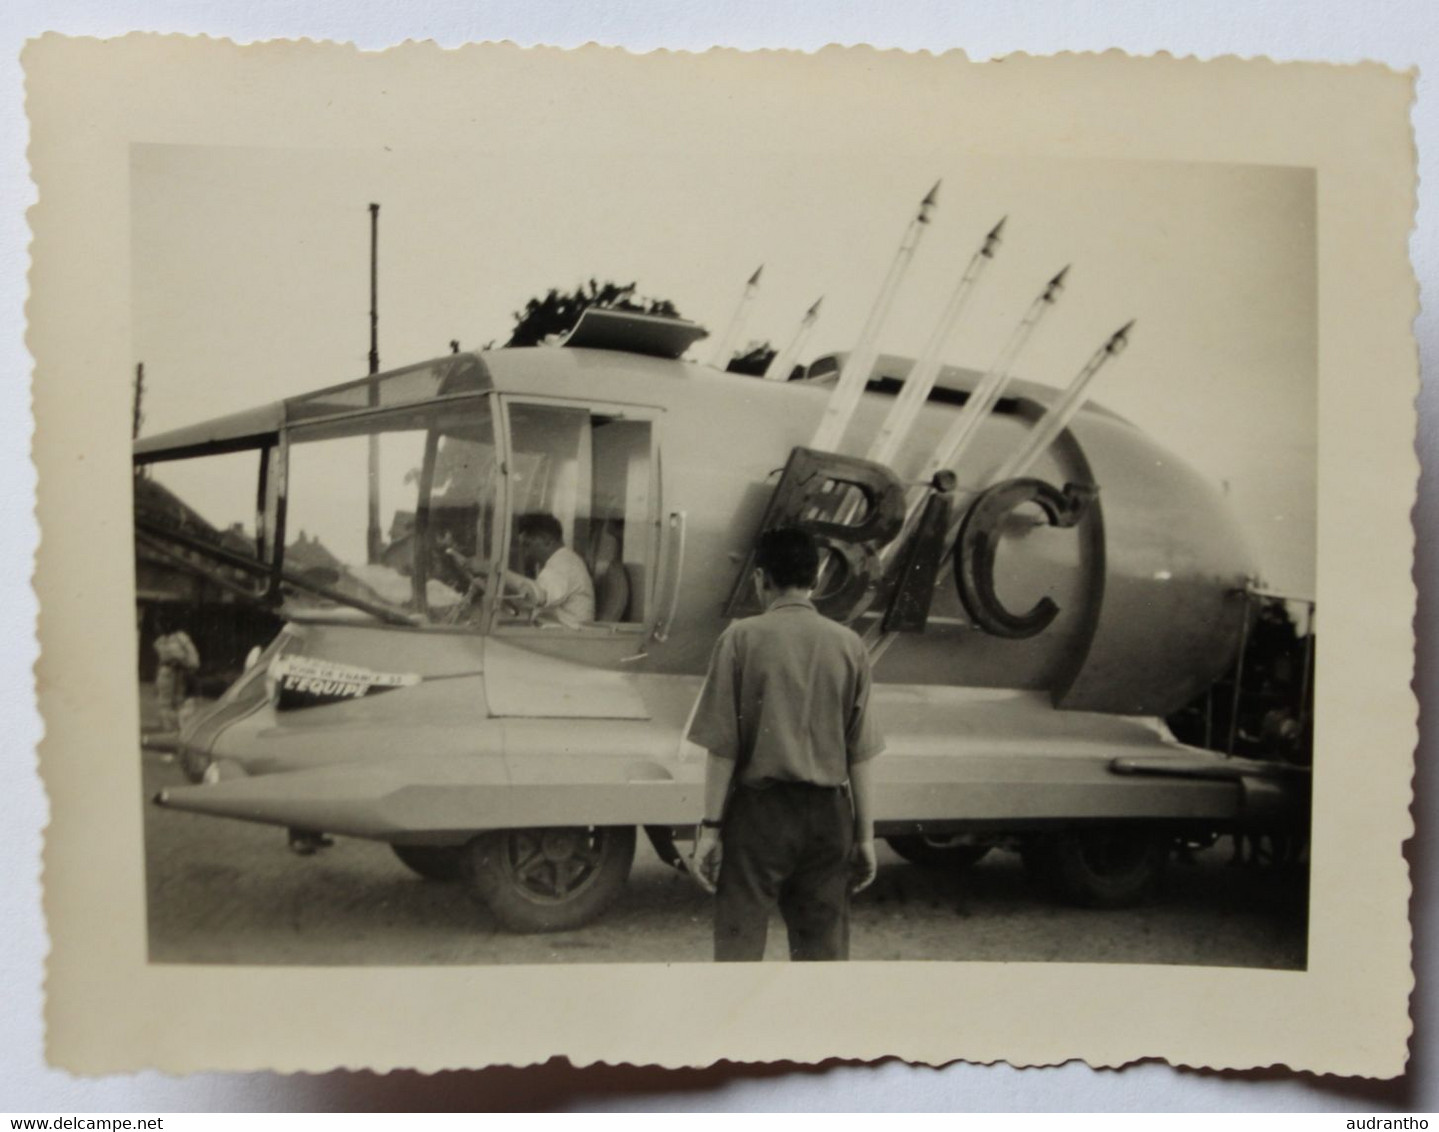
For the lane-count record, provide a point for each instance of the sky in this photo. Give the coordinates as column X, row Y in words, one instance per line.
column 251, row 276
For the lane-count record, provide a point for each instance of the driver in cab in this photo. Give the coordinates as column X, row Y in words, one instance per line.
column 560, row 591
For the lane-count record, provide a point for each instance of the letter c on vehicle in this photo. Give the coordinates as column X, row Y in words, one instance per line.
column 978, row 542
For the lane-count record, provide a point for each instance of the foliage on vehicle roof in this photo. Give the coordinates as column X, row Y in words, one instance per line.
column 557, row 313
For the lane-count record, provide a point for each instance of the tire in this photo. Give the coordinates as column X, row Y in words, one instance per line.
column 937, row 852
column 1103, row 867
column 433, row 862
column 550, row 880
column 1038, row 860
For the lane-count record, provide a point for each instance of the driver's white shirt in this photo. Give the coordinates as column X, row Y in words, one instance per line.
column 564, row 590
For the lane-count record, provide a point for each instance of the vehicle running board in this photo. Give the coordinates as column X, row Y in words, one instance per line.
column 1272, row 794
column 1216, row 767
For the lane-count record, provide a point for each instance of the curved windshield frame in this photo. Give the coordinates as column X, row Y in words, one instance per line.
column 393, row 510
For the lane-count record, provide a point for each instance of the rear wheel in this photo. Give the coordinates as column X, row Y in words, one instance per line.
column 433, row 862
column 549, row 880
column 942, row 852
column 1106, row 867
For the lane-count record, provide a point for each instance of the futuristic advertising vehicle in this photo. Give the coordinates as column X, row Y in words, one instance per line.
column 1038, row 581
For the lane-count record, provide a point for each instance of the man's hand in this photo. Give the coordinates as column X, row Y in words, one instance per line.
column 863, row 865
column 708, row 854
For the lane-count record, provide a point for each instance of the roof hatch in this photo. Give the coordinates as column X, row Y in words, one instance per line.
column 601, row 328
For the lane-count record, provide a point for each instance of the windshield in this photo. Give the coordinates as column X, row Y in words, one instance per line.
column 381, row 510
column 195, row 519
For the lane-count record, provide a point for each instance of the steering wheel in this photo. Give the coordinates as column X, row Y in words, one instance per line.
column 446, row 566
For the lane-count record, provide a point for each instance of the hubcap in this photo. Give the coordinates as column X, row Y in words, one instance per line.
column 1115, row 854
column 553, row 865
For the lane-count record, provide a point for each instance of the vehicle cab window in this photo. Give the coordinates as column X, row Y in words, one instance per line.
column 383, row 510
column 583, row 502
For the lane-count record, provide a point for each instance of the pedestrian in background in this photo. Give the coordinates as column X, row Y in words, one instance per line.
column 179, row 661
column 784, row 715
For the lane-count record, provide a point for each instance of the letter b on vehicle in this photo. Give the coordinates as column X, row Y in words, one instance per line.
column 853, row 507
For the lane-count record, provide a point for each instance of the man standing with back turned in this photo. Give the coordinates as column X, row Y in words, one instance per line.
column 784, row 716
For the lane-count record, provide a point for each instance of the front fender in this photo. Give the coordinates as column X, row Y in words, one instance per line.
column 447, row 799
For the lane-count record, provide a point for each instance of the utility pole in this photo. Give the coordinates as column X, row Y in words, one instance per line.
column 374, row 289
column 372, row 541
column 137, row 417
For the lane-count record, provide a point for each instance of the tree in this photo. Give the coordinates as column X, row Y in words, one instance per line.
column 753, row 361
column 558, row 311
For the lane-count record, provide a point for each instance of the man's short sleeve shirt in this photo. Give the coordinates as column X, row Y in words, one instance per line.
column 564, row 589
column 787, row 695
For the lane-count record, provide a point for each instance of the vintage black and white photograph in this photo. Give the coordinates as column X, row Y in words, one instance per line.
column 746, row 541
column 418, row 652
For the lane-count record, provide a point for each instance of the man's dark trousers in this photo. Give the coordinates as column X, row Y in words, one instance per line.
column 786, row 844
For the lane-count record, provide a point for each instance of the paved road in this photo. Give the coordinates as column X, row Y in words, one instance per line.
column 224, row 891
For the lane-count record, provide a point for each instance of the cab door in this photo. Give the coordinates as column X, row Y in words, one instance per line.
column 594, row 469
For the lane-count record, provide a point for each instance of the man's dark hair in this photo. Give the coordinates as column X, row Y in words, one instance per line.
column 540, row 524
column 789, row 557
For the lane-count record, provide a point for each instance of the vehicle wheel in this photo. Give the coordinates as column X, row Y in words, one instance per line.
column 433, row 862
column 550, row 880
column 1037, row 857
column 1104, row 868
column 940, row 852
